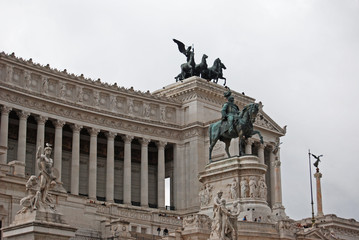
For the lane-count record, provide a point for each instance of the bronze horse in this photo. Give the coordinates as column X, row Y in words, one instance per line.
column 215, row 72
column 242, row 128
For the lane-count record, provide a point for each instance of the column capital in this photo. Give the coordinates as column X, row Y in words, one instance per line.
column 59, row 123
column 23, row 114
column 93, row 131
column 161, row 144
column 277, row 163
column 260, row 145
column 41, row 119
column 145, row 141
column 76, row 127
column 5, row 110
column 317, row 175
column 110, row 135
column 127, row 138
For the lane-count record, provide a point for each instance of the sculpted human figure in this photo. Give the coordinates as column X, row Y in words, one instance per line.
column 234, row 189
column 216, row 228
column 262, row 188
column 252, row 187
column 30, row 202
column 229, row 109
column 45, row 164
column 244, row 187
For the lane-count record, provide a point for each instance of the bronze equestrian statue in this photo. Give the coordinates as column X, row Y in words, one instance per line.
column 189, row 68
column 234, row 123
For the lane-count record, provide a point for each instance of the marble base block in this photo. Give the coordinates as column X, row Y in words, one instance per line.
column 39, row 225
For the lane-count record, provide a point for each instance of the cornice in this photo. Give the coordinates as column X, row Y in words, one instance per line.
column 196, row 87
column 80, row 79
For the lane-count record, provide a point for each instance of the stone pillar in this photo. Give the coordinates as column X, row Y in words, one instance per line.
column 127, row 170
column 248, row 149
column 318, row 176
column 21, row 146
column 92, row 177
column 110, row 166
column 272, row 176
column 261, row 153
column 161, row 174
column 75, row 163
column 144, row 171
column 278, row 183
column 4, row 132
column 179, row 176
column 40, row 137
column 58, row 147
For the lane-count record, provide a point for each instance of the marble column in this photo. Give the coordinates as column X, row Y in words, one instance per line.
column 4, row 132
column 75, row 162
column 40, row 137
column 261, row 152
column 92, row 176
column 248, row 149
column 110, row 166
column 144, row 171
column 179, row 180
column 127, row 170
column 58, row 147
column 272, row 176
column 21, row 146
column 318, row 176
column 278, row 183
column 161, row 175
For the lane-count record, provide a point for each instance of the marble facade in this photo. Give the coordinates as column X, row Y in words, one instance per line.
column 113, row 148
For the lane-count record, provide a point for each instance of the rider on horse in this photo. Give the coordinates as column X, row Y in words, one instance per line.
column 229, row 110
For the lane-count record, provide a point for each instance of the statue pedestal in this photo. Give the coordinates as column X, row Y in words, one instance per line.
column 39, row 224
column 239, row 178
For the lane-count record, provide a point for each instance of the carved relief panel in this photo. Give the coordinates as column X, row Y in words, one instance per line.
column 35, row 82
column 18, row 76
column 2, row 72
column 170, row 114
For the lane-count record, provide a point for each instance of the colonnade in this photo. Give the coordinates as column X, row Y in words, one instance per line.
column 92, row 170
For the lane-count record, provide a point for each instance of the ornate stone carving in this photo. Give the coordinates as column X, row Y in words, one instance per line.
column 27, row 79
column 110, row 135
column 5, row 110
column 59, row 123
column 130, row 106
column 224, row 221
column 162, row 114
column 80, row 94
column 76, row 127
column 253, row 193
column 262, row 188
column 62, row 92
column 37, row 192
column 161, row 144
column 146, row 110
column 145, row 141
column 244, row 187
column 233, row 191
column 9, row 73
column 41, row 119
column 45, row 84
column 197, row 221
column 96, row 98
column 23, row 114
column 93, row 131
column 127, row 138
column 205, row 194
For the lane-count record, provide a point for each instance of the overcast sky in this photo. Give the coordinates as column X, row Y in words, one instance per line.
column 300, row 58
